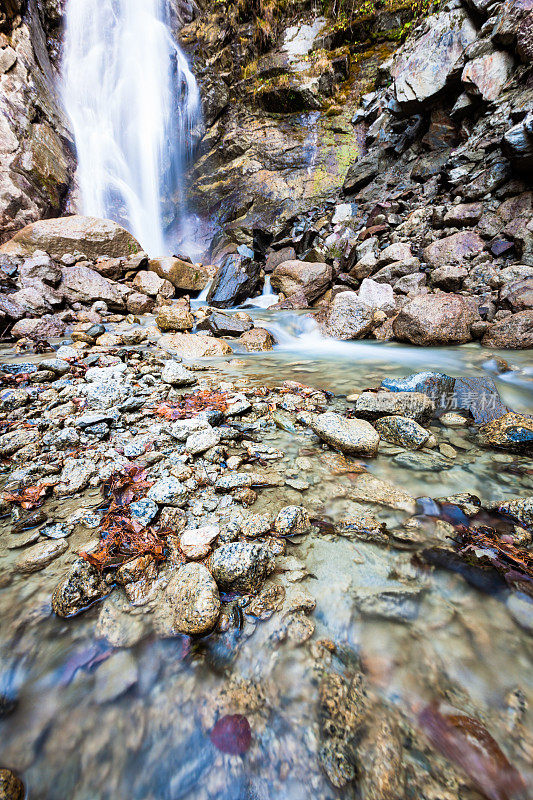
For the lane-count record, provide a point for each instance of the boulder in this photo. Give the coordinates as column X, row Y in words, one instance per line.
column 192, row 346
column 191, row 603
column 138, row 303
column 177, row 317
column 429, row 62
column 400, row 251
column 512, row 432
column 449, row 278
column 463, row 215
column 241, row 566
column 310, row 277
column 235, row 281
column 519, row 295
column 376, row 295
column 353, row 436
column 149, row 283
column 435, row 319
column 454, row 249
column 181, row 274
column 347, row 317
column 487, row 75
column 43, row 329
column 80, row 284
column 514, row 332
column 90, row 236
column 9, row 309
column 361, row 173
column 256, row 340
column 413, row 405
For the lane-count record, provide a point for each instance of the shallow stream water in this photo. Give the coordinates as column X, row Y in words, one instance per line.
column 93, row 722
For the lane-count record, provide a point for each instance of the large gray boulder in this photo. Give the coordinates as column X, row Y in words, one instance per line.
column 435, row 319
column 348, row 317
column 428, row 63
column 235, row 281
column 310, row 277
column 90, row 236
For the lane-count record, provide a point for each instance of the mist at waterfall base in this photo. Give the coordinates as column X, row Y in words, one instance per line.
column 134, row 105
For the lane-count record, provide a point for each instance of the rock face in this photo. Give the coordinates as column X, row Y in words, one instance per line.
column 36, row 162
column 241, row 566
column 353, row 436
column 435, row 320
column 425, row 67
column 192, row 602
column 89, row 236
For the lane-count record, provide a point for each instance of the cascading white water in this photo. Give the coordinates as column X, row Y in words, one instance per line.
column 134, row 103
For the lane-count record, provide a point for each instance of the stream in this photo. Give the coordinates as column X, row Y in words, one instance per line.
column 86, row 720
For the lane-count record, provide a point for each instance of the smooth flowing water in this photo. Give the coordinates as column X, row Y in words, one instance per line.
column 134, row 104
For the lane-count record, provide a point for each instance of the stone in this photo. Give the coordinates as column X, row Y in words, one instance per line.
column 414, row 405
column 176, row 375
column 115, row 676
column 139, row 304
column 75, row 475
column 256, row 340
column 276, row 257
column 513, row 432
column 90, row 236
column 235, row 281
column 449, row 279
column 347, row 317
column 241, row 566
column 517, row 143
column 487, row 75
column 196, row 542
column 11, row 787
column 370, row 489
column 233, row 480
column 353, row 436
column 191, row 603
column 79, row 589
column 519, row 295
column 176, row 317
column 463, row 215
column 168, row 491
column 454, row 249
column 191, row 346
column 363, row 171
column 255, row 525
column 313, row 278
column 117, row 625
column 80, row 284
column 423, row 462
column 40, row 555
column 292, row 521
column 376, row 295
column 144, row 511
column 43, row 329
column 402, row 431
column 17, row 439
column 202, row 440
column 181, row 274
column 428, row 62
column 518, row 508
column 400, row 251
column 149, row 283
column 435, row 319
column 514, row 332
column 225, row 324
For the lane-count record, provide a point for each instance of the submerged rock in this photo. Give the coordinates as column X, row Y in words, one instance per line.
column 82, row 586
column 402, row 431
column 191, row 603
column 353, row 436
column 241, row 566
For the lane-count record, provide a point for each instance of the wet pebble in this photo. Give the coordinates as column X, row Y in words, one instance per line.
column 39, row 556
column 292, row 520
column 241, row 566
column 168, row 492
column 144, row 510
column 56, row 531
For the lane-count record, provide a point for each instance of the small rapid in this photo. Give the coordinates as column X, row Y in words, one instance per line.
column 134, row 105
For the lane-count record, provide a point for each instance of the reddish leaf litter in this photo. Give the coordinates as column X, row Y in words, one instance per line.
column 189, row 405
column 484, row 546
column 468, row 744
column 232, row 735
column 123, row 537
column 31, row 496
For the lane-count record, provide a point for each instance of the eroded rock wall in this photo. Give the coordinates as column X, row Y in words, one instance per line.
column 36, row 148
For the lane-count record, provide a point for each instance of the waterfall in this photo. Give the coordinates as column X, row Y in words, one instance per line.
column 134, row 104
